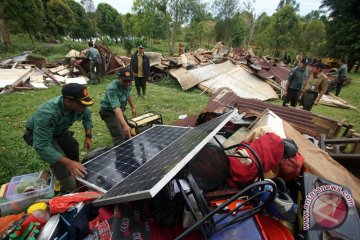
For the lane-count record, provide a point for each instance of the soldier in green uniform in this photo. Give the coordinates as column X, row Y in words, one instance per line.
column 95, row 60
column 315, row 87
column 342, row 77
column 295, row 83
column 113, row 104
column 47, row 131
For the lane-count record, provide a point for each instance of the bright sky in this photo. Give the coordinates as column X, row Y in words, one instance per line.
column 268, row 6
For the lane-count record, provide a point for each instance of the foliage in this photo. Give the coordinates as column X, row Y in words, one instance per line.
column 230, row 30
column 164, row 18
column 284, row 29
column 292, row 3
column 88, row 5
column 343, row 27
column 225, row 9
column 109, row 20
column 83, row 27
column 61, row 17
column 128, row 45
column 128, row 24
column 25, row 16
column 201, row 26
column 312, row 37
column 262, row 32
column 148, row 19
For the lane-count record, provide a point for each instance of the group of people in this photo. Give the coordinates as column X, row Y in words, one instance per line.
column 307, row 87
column 47, row 130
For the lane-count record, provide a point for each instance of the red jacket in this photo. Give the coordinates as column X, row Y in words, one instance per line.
column 270, row 150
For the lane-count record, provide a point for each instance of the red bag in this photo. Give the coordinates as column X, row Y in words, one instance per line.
column 63, row 203
column 291, row 167
column 270, row 150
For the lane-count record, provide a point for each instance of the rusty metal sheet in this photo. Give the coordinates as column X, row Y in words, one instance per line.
column 299, row 119
column 108, row 60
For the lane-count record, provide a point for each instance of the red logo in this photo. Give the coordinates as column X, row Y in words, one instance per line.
column 329, row 210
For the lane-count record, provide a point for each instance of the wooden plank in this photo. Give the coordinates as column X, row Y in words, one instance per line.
column 63, row 72
column 38, row 85
column 114, row 70
column 14, row 76
column 79, row 80
column 48, row 73
column 57, row 69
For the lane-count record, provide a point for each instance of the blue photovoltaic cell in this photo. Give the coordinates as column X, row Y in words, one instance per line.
column 110, row 168
column 149, row 178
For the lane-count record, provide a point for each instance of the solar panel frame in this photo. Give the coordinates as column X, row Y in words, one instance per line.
column 162, row 128
column 107, row 198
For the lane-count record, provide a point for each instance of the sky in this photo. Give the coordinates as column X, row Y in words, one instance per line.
column 268, row 6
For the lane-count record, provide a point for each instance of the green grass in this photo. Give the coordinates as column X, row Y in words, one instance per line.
column 17, row 158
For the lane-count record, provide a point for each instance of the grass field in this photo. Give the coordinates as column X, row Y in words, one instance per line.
column 166, row 97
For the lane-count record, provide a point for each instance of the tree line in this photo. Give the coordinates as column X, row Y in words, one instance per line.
column 331, row 31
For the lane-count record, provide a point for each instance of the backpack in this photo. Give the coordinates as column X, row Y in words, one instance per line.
column 97, row 60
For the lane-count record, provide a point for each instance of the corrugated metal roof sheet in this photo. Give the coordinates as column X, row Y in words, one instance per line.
column 301, row 120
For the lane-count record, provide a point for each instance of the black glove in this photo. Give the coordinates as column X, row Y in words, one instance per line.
column 290, row 148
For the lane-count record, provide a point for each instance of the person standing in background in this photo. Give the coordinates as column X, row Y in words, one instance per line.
column 295, row 83
column 342, row 77
column 140, row 66
column 315, row 87
column 95, row 60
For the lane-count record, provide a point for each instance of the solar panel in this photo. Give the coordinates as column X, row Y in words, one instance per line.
column 111, row 167
column 153, row 175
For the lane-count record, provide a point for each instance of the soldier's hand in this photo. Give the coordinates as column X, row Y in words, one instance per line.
column 87, row 144
column 133, row 111
column 75, row 168
column 285, row 93
column 127, row 131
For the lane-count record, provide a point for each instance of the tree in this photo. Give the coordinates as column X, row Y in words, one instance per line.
column 198, row 28
column 249, row 19
column 88, row 5
column 82, row 28
column 312, row 36
column 61, row 17
column 128, row 24
column 109, row 21
column 314, row 14
column 26, row 16
column 284, row 29
column 90, row 10
column 225, row 9
column 208, row 29
column 262, row 32
column 148, row 19
column 292, row 3
column 230, row 30
column 343, row 27
column 168, row 15
column 3, row 27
